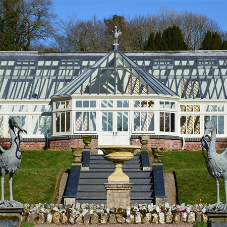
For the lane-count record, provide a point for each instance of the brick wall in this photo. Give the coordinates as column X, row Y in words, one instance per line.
column 167, row 144
column 66, row 144
column 196, row 145
column 32, row 145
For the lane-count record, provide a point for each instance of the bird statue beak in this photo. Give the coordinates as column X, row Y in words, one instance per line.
column 206, row 133
column 21, row 129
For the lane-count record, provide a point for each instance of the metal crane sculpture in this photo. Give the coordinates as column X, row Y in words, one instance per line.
column 10, row 160
column 216, row 163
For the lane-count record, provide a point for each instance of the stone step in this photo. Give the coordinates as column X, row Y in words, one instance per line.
column 111, row 170
column 107, row 165
column 91, row 187
column 131, row 162
column 104, row 180
column 102, row 194
column 131, row 174
column 101, row 187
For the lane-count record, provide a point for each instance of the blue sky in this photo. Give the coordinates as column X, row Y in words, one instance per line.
column 85, row 9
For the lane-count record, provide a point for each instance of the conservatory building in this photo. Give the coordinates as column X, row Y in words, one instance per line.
column 115, row 96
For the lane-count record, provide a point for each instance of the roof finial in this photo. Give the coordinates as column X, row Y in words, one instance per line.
column 116, row 34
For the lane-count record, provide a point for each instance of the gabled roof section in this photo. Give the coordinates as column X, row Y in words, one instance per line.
column 115, row 73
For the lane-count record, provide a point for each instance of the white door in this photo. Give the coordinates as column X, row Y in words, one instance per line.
column 114, row 128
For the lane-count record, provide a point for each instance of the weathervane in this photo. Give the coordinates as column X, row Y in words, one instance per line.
column 116, row 34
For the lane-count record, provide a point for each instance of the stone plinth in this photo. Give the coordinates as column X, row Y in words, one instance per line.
column 10, row 217
column 118, row 194
column 217, row 219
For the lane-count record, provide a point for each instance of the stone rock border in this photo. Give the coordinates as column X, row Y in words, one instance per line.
column 99, row 214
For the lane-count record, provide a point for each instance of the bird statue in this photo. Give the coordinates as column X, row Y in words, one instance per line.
column 10, row 160
column 216, row 163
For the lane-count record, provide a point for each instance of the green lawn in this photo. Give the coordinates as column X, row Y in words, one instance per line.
column 194, row 182
column 36, row 179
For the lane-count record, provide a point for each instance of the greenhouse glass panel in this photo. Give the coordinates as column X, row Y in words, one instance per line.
column 136, row 121
column 111, row 61
column 62, row 122
column 150, row 121
column 104, row 64
column 120, row 61
column 93, row 104
column 18, row 92
column 122, row 121
column 94, row 84
column 43, row 88
column 167, row 122
column 85, row 121
column 107, row 121
column 212, row 88
column 92, row 121
column 221, row 124
column 119, row 121
column 172, row 122
column 120, row 81
column 78, row 121
column 35, row 123
column 196, row 124
column 78, row 104
column 183, row 124
column 124, row 104
column 85, row 104
column 35, row 88
column 162, row 125
column 190, row 124
column 67, row 121
column 107, row 104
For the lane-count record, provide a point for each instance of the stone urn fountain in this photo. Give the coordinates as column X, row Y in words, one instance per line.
column 118, row 187
column 118, row 154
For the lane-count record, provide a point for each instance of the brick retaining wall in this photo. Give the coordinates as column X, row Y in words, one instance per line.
column 65, row 143
column 167, row 144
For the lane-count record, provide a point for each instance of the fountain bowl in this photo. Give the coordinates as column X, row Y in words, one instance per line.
column 118, row 154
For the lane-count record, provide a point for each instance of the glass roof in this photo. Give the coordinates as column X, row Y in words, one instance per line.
column 33, row 75
column 115, row 73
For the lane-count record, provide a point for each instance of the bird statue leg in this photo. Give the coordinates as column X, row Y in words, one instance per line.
column 225, row 183
column 10, row 186
column 218, row 195
column 2, row 184
column 2, row 188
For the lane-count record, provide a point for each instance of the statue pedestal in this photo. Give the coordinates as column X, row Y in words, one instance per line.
column 10, row 217
column 118, row 194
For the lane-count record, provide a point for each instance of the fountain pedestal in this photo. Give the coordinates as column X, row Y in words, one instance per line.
column 118, row 187
column 118, row 194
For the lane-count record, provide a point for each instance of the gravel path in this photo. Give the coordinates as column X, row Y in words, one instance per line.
column 120, row 225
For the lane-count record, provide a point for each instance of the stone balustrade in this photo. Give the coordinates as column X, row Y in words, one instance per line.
column 99, row 214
